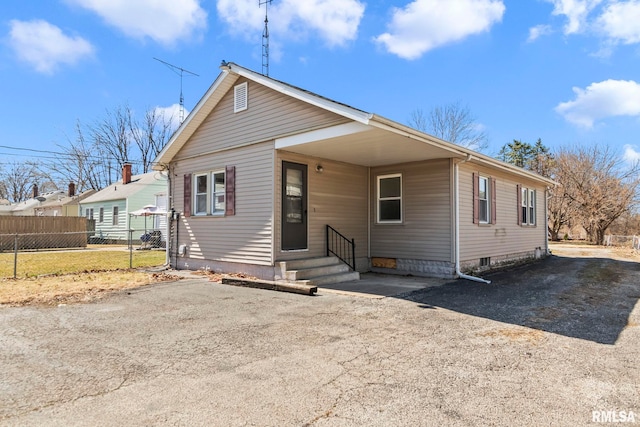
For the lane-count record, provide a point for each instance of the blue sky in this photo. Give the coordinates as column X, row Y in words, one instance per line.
column 566, row 71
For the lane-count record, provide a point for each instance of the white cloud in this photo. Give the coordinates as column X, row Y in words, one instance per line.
column 621, row 21
column 171, row 114
column 631, row 154
column 576, row 12
column 334, row 21
column 164, row 21
column 538, row 31
column 599, row 100
column 423, row 25
column 45, row 46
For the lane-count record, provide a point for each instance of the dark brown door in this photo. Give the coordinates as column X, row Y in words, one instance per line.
column 294, row 206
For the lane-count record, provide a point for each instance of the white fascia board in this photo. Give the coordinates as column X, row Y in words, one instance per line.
column 326, row 104
column 322, row 134
column 190, row 124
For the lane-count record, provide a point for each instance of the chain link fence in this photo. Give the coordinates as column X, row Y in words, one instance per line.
column 623, row 241
column 37, row 254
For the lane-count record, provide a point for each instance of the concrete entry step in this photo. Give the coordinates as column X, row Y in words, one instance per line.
column 317, row 271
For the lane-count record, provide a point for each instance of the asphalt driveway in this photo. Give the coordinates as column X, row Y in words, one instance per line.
column 545, row 344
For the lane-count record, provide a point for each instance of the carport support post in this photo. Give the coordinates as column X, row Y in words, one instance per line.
column 15, row 257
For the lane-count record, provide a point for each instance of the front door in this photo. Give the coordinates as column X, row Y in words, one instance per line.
column 294, row 206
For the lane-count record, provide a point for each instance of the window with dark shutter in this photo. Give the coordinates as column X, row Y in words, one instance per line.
column 187, row 195
column 230, row 189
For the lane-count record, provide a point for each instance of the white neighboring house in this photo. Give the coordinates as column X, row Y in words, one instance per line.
column 29, row 206
column 110, row 207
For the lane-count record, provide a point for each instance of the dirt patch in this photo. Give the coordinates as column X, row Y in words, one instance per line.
column 530, row 336
column 217, row 277
column 74, row 288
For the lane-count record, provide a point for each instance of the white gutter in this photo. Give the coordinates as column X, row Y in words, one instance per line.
column 459, row 274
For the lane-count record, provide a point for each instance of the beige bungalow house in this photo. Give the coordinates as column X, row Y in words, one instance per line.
column 264, row 174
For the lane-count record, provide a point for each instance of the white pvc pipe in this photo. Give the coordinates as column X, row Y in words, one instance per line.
column 459, row 274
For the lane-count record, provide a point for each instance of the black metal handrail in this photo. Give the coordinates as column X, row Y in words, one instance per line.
column 341, row 247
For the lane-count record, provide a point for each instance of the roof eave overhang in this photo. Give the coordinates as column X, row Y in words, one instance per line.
column 458, row 151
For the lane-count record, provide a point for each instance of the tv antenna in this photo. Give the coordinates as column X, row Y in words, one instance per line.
column 179, row 71
column 265, row 37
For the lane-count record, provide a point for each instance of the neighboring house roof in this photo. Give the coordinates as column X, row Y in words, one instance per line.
column 372, row 139
column 119, row 191
column 64, row 199
column 30, row 204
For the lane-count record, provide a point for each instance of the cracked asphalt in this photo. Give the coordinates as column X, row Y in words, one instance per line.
column 544, row 344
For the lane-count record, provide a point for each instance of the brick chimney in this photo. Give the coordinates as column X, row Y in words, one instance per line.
column 35, row 191
column 126, row 173
column 72, row 189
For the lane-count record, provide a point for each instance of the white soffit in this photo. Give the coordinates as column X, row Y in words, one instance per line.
column 322, row 134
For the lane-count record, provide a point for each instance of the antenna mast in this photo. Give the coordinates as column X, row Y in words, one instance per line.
column 265, row 37
column 175, row 69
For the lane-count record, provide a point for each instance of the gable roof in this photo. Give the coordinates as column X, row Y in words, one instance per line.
column 411, row 138
column 64, row 199
column 119, row 191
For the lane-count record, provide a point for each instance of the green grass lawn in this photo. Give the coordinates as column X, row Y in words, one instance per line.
column 32, row 264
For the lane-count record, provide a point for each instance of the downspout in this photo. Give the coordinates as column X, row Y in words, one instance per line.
column 459, row 274
column 167, row 249
column 547, row 196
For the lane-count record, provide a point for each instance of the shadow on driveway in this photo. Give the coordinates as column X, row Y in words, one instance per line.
column 587, row 298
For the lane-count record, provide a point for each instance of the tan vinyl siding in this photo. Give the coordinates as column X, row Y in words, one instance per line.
column 506, row 236
column 337, row 196
column 425, row 232
column 269, row 115
column 246, row 236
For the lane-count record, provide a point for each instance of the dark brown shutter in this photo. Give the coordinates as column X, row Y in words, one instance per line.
column 187, row 195
column 230, row 190
column 519, row 203
column 476, row 198
column 493, row 191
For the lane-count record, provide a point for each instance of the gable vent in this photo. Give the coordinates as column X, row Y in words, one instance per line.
column 240, row 94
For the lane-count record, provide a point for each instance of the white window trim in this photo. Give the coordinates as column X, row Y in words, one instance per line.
column 487, row 195
column 196, row 194
column 115, row 216
column 240, row 97
column 379, row 199
column 211, row 192
column 528, row 203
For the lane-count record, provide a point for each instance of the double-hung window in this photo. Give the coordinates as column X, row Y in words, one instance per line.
column 101, row 215
column 218, row 193
column 526, row 206
column 483, row 200
column 115, row 215
column 390, row 199
column 201, row 194
column 210, row 193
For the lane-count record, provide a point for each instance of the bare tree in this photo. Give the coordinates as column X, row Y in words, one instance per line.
column 599, row 186
column 150, row 135
column 453, row 123
column 81, row 162
column 111, row 136
column 18, row 181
